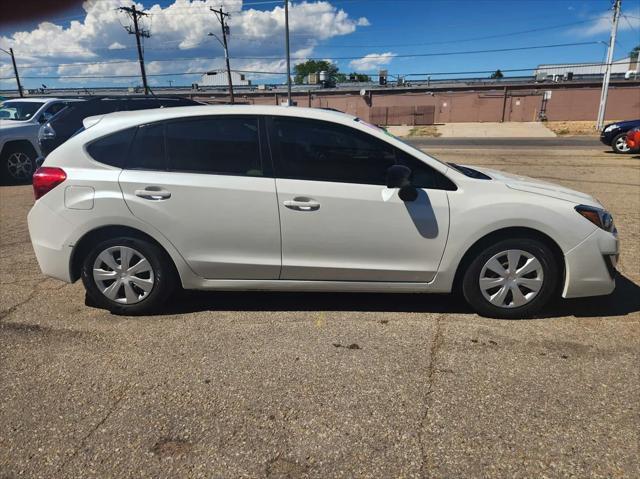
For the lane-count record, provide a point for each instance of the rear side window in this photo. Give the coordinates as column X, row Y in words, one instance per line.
column 147, row 150
column 226, row 145
column 112, row 149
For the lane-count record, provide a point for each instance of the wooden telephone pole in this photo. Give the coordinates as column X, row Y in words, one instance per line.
column 138, row 32
column 607, row 73
column 15, row 70
column 220, row 15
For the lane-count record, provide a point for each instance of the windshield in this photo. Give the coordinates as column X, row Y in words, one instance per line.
column 19, row 110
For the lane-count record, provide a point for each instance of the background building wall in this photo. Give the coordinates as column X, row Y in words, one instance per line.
column 412, row 108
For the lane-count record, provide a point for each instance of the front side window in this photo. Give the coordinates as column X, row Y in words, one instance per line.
column 112, row 149
column 53, row 109
column 225, row 145
column 323, row 151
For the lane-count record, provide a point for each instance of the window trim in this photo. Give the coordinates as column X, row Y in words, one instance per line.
column 275, row 151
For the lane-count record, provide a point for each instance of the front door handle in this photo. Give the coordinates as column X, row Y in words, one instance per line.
column 302, row 204
column 154, row 193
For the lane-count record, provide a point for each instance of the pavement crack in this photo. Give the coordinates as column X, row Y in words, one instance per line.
column 34, row 291
column 86, row 437
column 432, row 370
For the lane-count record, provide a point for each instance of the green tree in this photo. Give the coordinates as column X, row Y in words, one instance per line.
column 301, row 70
column 497, row 74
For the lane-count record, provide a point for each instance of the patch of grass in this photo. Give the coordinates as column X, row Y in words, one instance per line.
column 425, row 131
column 578, row 128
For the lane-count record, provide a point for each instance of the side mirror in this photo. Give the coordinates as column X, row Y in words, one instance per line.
column 399, row 176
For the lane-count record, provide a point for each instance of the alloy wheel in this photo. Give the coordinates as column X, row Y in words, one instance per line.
column 621, row 144
column 123, row 274
column 511, row 278
column 19, row 165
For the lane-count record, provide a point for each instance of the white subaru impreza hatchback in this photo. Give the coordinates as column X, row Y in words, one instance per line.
column 277, row 198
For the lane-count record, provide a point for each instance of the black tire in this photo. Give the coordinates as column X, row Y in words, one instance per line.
column 163, row 276
column 618, row 142
column 17, row 165
column 550, row 269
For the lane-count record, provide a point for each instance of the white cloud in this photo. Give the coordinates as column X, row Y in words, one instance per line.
column 178, row 31
column 372, row 61
column 602, row 24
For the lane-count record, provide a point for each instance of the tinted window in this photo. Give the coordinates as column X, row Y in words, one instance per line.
column 322, row 151
column 55, row 108
column 223, row 145
column 112, row 149
column 422, row 175
column 147, row 150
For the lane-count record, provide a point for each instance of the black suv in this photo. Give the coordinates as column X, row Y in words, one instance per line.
column 65, row 124
column 615, row 135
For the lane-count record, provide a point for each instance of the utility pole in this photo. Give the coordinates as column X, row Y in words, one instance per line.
column 607, row 73
column 220, row 15
column 286, row 29
column 15, row 70
column 138, row 32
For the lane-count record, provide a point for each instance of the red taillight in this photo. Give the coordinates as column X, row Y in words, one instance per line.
column 47, row 178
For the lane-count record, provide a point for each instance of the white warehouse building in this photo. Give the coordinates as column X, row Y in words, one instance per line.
column 621, row 66
column 219, row 78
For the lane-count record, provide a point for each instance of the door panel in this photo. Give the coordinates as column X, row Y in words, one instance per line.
column 359, row 232
column 225, row 227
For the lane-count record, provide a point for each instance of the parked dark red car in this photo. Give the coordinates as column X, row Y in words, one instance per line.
column 633, row 139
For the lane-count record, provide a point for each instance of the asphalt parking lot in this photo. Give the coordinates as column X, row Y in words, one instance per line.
column 326, row 385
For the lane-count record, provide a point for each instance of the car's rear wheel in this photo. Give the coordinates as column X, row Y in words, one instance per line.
column 128, row 276
column 619, row 144
column 513, row 278
column 17, row 166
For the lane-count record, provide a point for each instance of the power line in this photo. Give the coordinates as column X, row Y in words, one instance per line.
column 370, row 56
column 260, row 72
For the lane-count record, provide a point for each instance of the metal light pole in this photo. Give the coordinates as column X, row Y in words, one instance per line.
column 286, row 29
column 607, row 73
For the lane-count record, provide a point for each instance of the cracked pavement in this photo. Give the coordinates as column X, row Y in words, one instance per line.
column 325, row 385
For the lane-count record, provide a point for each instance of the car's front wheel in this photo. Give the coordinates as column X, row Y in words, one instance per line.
column 512, row 278
column 619, row 144
column 128, row 275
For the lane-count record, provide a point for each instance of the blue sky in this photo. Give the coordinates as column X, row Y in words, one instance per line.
column 87, row 46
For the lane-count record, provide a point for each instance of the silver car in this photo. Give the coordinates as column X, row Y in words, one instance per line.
column 20, row 120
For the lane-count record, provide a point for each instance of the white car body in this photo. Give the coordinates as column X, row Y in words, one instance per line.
column 234, row 232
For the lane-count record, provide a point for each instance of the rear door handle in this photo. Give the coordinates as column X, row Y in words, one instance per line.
column 302, row 204
column 154, row 193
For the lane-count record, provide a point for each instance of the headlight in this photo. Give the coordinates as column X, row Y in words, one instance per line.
column 46, row 132
column 610, row 128
column 599, row 217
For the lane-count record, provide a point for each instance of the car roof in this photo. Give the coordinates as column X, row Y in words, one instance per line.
column 31, row 99
column 125, row 119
